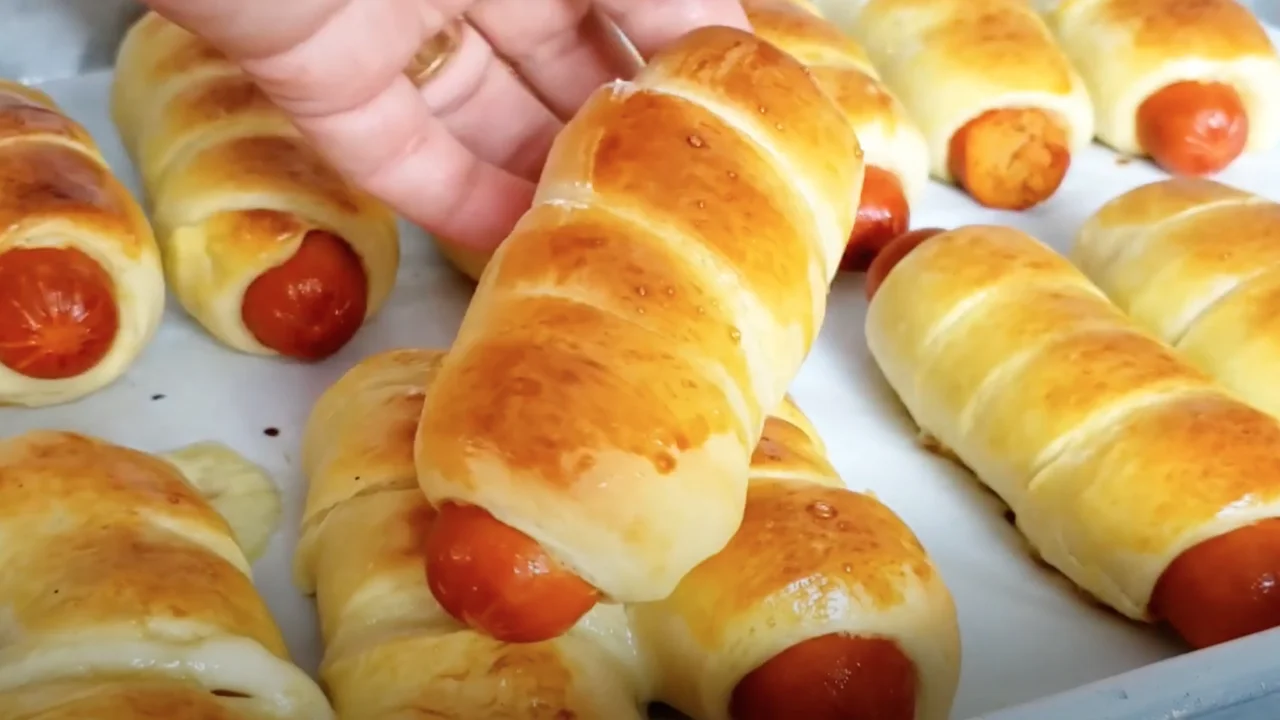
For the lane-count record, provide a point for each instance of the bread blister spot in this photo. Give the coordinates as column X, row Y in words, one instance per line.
column 821, row 510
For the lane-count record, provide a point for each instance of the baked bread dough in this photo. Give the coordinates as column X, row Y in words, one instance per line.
column 127, row 699
column 1126, row 50
column 890, row 139
column 1114, row 454
column 59, row 193
column 233, row 187
column 123, row 586
column 389, row 645
column 1197, row 263
column 652, row 306
column 950, row 61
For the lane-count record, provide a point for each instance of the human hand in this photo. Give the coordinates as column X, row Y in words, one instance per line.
column 460, row 155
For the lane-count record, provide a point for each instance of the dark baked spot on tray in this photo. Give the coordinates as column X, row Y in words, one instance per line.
column 271, row 432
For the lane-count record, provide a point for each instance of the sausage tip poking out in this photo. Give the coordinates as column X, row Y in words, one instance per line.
column 883, row 214
column 1010, row 159
column 1223, row 588
column 892, row 254
column 58, row 313
column 500, row 581
column 831, row 677
column 1193, row 128
column 310, row 306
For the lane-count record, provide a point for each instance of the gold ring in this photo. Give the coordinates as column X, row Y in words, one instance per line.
column 434, row 53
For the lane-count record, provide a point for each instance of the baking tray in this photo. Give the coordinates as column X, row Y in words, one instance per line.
column 1028, row 636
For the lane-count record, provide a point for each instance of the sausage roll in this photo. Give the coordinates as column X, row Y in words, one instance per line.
column 611, row 376
column 897, row 157
column 124, row 590
column 1198, row 264
column 1191, row 83
column 823, row 604
column 1127, row 469
column 998, row 101
column 81, row 286
column 263, row 244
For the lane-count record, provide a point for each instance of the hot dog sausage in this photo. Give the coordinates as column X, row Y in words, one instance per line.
column 883, row 214
column 58, row 314
column 500, row 581
column 1224, row 588
column 832, row 677
column 1010, row 159
column 892, row 254
column 313, row 304
column 1193, row 128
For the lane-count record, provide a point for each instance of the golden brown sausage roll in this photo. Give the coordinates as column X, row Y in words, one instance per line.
column 1197, row 263
column 125, row 589
column 1192, row 83
column 264, row 244
column 998, row 101
column 81, row 286
column 1127, row 469
column 896, row 154
column 822, row 604
column 651, row 307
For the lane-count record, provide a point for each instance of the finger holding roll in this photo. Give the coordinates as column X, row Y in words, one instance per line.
column 1126, row 468
column 894, row 150
column 823, row 606
column 1191, row 85
column 81, row 285
column 1002, row 112
column 264, row 244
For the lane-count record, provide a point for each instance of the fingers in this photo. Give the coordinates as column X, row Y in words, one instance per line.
column 252, row 28
column 557, row 47
column 652, row 24
column 355, row 55
column 486, row 107
column 345, row 87
column 395, row 148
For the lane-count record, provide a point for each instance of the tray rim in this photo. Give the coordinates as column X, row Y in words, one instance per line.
column 1217, row 683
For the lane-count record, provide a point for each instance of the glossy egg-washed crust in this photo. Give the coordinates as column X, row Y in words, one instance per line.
column 614, row 369
column 123, row 586
column 1197, row 263
column 57, row 191
column 391, row 649
column 1126, row 50
column 233, row 188
column 1114, row 454
column 890, row 139
column 950, row 61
